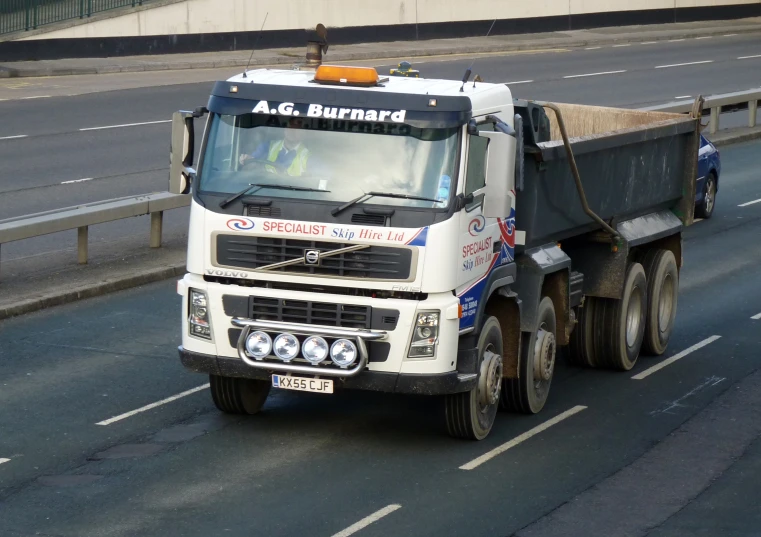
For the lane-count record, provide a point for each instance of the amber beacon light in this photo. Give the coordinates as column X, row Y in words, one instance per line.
column 351, row 76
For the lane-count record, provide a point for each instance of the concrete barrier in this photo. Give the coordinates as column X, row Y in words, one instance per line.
column 180, row 26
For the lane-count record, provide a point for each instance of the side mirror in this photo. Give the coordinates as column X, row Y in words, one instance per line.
column 500, row 167
column 181, row 173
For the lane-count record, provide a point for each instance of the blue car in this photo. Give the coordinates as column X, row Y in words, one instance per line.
column 709, row 169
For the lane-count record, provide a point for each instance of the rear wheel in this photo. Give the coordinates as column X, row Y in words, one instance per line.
column 662, row 290
column 237, row 395
column 471, row 414
column 528, row 393
column 622, row 322
column 581, row 347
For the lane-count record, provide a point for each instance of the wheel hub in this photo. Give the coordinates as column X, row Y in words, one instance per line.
column 544, row 355
column 490, row 380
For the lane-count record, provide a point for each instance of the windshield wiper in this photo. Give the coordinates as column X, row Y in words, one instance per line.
column 369, row 195
column 252, row 186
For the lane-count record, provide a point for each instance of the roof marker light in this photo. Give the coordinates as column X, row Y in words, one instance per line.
column 351, row 76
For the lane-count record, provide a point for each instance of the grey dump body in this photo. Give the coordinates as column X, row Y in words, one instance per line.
column 631, row 164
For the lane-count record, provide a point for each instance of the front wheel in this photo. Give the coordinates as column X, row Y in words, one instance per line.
column 528, row 393
column 705, row 207
column 471, row 415
column 238, row 396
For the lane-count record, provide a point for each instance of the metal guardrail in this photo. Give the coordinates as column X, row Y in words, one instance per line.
column 83, row 216
column 25, row 15
column 718, row 104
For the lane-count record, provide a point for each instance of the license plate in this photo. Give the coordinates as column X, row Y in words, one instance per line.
column 302, row 384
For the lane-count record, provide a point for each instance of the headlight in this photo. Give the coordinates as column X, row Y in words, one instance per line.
column 425, row 336
column 199, row 323
column 315, row 349
column 343, row 352
column 259, row 345
column 286, row 347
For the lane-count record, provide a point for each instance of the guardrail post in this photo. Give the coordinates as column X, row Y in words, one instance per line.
column 752, row 112
column 715, row 111
column 82, row 245
column 157, row 221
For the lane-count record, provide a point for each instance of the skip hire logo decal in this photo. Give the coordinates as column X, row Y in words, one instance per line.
column 330, row 112
column 476, row 225
column 240, row 224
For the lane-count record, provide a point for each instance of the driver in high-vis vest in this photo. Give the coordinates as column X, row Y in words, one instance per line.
column 290, row 152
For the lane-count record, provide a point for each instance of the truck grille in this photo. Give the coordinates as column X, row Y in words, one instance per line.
column 373, row 262
column 307, row 312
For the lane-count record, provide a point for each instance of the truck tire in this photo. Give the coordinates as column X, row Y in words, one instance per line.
column 471, row 414
column 623, row 322
column 581, row 347
column 238, row 396
column 528, row 393
column 662, row 290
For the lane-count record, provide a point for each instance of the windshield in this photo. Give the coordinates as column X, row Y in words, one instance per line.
column 339, row 159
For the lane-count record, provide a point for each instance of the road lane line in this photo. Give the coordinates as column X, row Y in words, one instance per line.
column 730, row 35
column 682, row 64
column 675, row 40
column 592, row 48
column 685, row 352
column 756, row 317
column 627, row 45
column 152, row 405
column 475, row 463
column 749, row 57
column 4, row 460
column 596, row 74
column 518, row 82
column 126, row 125
column 14, row 137
column 376, row 516
column 704, row 37
column 649, row 43
column 36, row 97
column 76, row 181
column 682, row 96
column 749, row 203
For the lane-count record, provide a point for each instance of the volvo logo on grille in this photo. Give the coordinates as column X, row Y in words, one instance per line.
column 311, row 257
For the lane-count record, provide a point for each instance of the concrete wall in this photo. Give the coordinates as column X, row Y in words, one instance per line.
column 220, row 16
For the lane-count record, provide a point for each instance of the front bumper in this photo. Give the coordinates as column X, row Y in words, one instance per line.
column 379, row 381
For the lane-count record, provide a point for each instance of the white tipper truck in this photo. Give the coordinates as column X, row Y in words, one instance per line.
column 438, row 237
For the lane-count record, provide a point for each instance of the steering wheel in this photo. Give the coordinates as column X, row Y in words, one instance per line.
column 278, row 167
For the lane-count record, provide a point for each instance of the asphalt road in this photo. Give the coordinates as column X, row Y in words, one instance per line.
column 675, row 453
column 58, row 161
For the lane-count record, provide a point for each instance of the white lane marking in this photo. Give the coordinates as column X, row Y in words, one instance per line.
column 4, row 460
column 756, row 317
column 592, row 48
column 518, row 82
column 126, row 125
column 682, row 64
column 475, row 463
column 749, row 57
column 14, row 137
column 696, row 220
column 682, row 96
column 76, row 181
column 152, row 405
column 704, row 37
column 730, row 35
column 596, row 74
column 36, row 97
column 679, row 356
column 675, row 40
column 671, row 405
column 627, row 45
column 376, row 516
column 749, row 203
column 649, row 43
